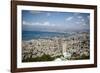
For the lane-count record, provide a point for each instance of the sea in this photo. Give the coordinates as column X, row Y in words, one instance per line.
column 28, row 35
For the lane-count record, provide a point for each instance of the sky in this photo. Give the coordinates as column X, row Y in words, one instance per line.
column 54, row 21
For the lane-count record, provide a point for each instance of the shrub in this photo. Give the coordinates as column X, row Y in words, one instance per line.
column 44, row 57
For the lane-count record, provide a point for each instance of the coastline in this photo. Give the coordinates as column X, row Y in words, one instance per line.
column 66, row 48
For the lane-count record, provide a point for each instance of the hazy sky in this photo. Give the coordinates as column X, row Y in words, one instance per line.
column 54, row 21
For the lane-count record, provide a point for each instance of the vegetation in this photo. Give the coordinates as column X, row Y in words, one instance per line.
column 44, row 57
column 80, row 57
column 84, row 57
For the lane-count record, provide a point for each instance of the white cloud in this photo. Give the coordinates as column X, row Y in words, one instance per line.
column 37, row 23
column 46, row 23
column 78, row 22
column 82, row 20
column 79, row 17
column 25, row 23
column 69, row 18
column 48, row 14
column 81, row 23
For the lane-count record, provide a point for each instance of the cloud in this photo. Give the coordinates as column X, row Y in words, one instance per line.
column 79, row 17
column 75, row 16
column 48, row 14
column 45, row 23
column 25, row 23
column 78, row 22
column 82, row 20
column 69, row 18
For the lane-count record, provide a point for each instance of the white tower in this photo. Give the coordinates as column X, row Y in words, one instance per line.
column 64, row 49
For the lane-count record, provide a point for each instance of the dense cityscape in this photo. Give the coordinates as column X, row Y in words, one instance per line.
column 74, row 47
